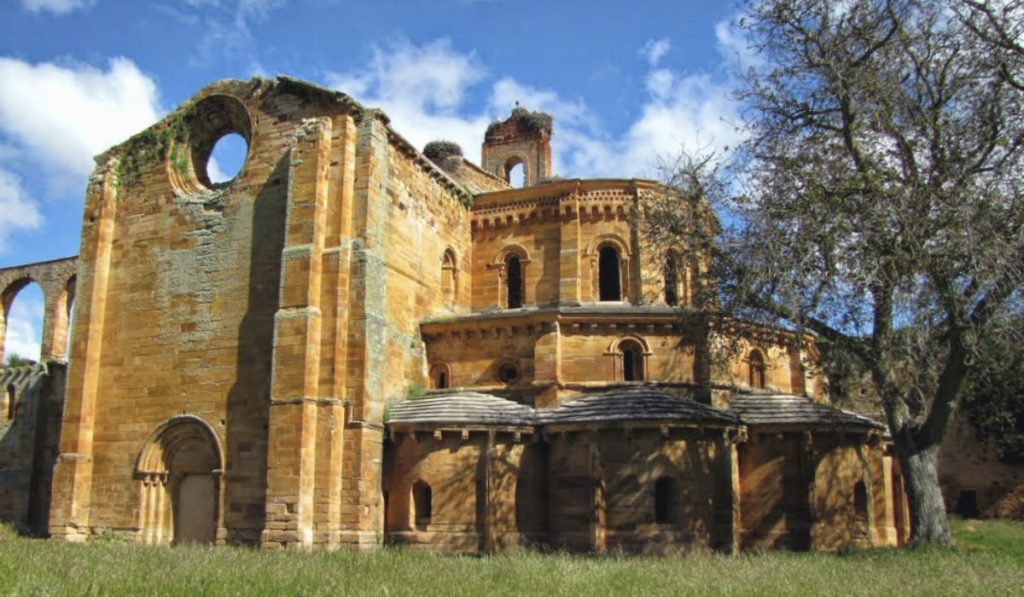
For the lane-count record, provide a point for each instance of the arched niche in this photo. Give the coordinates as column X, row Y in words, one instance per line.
column 449, row 277
column 180, row 470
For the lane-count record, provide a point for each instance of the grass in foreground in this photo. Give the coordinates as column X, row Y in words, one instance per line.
column 989, row 559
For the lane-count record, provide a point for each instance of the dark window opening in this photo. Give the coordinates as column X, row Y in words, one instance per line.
column 967, row 504
column 442, row 380
column 756, row 363
column 663, row 498
column 610, row 286
column 422, row 506
column 860, row 500
column 514, row 279
column 508, row 373
column 672, row 280
column 632, row 362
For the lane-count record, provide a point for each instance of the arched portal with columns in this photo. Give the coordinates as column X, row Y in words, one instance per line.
column 179, row 472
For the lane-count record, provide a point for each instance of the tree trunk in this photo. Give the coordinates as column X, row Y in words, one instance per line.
column 928, row 521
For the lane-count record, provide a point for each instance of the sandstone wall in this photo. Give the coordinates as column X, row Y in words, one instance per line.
column 279, row 310
column 602, row 490
column 485, row 490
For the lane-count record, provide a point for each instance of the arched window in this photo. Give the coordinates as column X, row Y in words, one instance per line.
column 514, row 282
column 608, row 277
column 421, row 503
column 664, row 496
column 632, row 361
column 449, row 277
column 755, row 376
column 441, row 376
column 672, row 279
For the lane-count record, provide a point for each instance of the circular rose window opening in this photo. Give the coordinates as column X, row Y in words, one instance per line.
column 508, row 373
column 227, row 158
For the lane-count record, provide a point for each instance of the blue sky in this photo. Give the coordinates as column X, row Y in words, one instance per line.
column 626, row 83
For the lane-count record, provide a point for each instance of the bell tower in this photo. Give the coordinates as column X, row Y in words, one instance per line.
column 523, row 138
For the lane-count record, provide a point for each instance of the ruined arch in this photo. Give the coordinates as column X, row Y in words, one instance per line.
column 57, row 281
column 179, row 471
column 508, row 167
column 8, row 296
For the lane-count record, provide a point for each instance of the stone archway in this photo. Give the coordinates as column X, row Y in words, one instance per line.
column 180, row 470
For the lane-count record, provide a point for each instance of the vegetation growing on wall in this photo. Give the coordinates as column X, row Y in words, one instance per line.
column 163, row 141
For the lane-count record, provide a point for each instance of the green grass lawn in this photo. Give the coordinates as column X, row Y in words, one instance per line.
column 989, row 560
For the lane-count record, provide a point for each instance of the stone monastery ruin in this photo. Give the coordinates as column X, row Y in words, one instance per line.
column 354, row 342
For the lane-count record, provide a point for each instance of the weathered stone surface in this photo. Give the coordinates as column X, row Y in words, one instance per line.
column 238, row 346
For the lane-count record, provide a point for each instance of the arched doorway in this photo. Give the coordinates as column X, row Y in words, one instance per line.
column 180, row 471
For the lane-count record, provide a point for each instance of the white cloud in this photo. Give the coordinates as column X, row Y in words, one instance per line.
column 58, row 7
column 734, row 45
column 655, row 49
column 24, row 325
column 422, row 89
column 19, row 210
column 63, row 115
column 227, row 26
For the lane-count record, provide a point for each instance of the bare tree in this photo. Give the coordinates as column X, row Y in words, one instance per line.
column 878, row 200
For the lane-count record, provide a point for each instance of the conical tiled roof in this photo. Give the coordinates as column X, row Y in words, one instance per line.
column 465, row 408
column 787, row 409
column 635, row 404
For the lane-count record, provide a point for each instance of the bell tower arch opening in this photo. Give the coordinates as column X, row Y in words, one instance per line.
column 519, row 148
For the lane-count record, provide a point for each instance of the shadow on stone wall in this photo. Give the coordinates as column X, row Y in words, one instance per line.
column 248, row 408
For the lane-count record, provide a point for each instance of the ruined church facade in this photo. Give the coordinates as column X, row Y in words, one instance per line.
column 353, row 342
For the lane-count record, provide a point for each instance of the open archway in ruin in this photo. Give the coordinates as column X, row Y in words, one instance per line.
column 21, row 321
